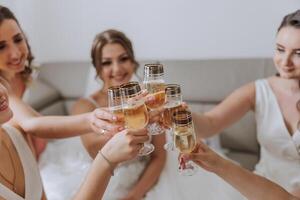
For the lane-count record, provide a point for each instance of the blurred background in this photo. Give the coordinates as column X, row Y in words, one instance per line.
column 160, row 29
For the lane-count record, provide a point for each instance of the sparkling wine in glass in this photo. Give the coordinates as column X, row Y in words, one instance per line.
column 155, row 85
column 173, row 103
column 115, row 104
column 184, row 139
column 135, row 111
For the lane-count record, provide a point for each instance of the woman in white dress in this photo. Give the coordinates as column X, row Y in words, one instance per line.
column 276, row 103
column 113, row 58
column 19, row 174
column 19, row 73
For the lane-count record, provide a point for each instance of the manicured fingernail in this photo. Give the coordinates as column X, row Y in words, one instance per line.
column 114, row 118
column 120, row 128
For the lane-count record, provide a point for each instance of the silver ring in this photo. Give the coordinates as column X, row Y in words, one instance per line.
column 102, row 131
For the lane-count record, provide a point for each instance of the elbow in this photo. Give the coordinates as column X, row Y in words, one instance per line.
column 29, row 126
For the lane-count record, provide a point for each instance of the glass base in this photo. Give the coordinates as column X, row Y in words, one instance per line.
column 187, row 169
column 146, row 149
column 169, row 146
column 155, row 129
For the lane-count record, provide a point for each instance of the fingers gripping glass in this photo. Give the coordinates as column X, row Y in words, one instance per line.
column 184, row 139
column 155, row 85
column 135, row 111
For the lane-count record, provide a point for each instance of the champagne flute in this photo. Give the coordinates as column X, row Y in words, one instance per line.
column 184, row 139
column 135, row 111
column 173, row 103
column 115, row 103
column 155, row 85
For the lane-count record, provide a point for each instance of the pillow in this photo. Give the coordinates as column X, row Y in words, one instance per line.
column 40, row 94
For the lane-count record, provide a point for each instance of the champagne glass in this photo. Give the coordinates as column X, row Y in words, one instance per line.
column 184, row 139
column 115, row 103
column 155, row 85
column 173, row 103
column 135, row 111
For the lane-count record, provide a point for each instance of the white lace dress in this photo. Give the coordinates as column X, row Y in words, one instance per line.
column 280, row 152
column 63, row 167
column 202, row 185
column 65, row 163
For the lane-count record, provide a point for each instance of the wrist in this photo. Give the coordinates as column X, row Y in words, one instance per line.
column 87, row 120
column 106, row 151
column 222, row 167
column 110, row 165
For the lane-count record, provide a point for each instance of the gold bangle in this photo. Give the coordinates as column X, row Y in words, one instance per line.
column 109, row 163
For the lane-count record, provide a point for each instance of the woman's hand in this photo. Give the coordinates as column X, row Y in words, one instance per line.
column 204, row 157
column 125, row 145
column 101, row 121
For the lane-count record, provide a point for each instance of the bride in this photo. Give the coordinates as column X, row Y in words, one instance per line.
column 146, row 177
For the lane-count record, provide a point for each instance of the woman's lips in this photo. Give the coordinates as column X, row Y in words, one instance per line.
column 119, row 77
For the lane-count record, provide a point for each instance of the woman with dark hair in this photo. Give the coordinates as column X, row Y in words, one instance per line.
column 17, row 71
column 19, row 174
column 276, row 103
column 114, row 61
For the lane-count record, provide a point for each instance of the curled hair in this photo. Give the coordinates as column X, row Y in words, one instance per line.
column 5, row 13
column 110, row 36
column 292, row 19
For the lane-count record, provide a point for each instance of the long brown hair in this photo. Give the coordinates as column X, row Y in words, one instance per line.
column 5, row 13
column 110, row 36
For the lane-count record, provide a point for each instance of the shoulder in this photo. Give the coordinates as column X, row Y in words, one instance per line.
column 247, row 90
column 82, row 105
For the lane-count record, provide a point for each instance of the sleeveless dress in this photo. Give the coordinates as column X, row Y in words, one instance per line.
column 33, row 183
column 280, row 152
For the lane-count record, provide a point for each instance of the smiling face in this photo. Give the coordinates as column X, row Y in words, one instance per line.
column 116, row 66
column 13, row 48
column 287, row 56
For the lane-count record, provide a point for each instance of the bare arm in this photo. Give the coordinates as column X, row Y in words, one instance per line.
column 92, row 142
column 123, row 146
column 56, row 126
column 234, row 107
column 152, row 171
column 252, row 186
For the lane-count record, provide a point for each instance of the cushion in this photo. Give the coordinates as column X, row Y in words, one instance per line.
column 40, row 94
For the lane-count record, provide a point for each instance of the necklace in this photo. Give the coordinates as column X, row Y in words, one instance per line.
column 11, row 160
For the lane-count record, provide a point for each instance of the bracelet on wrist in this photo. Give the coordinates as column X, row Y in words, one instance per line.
column 111, row 166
